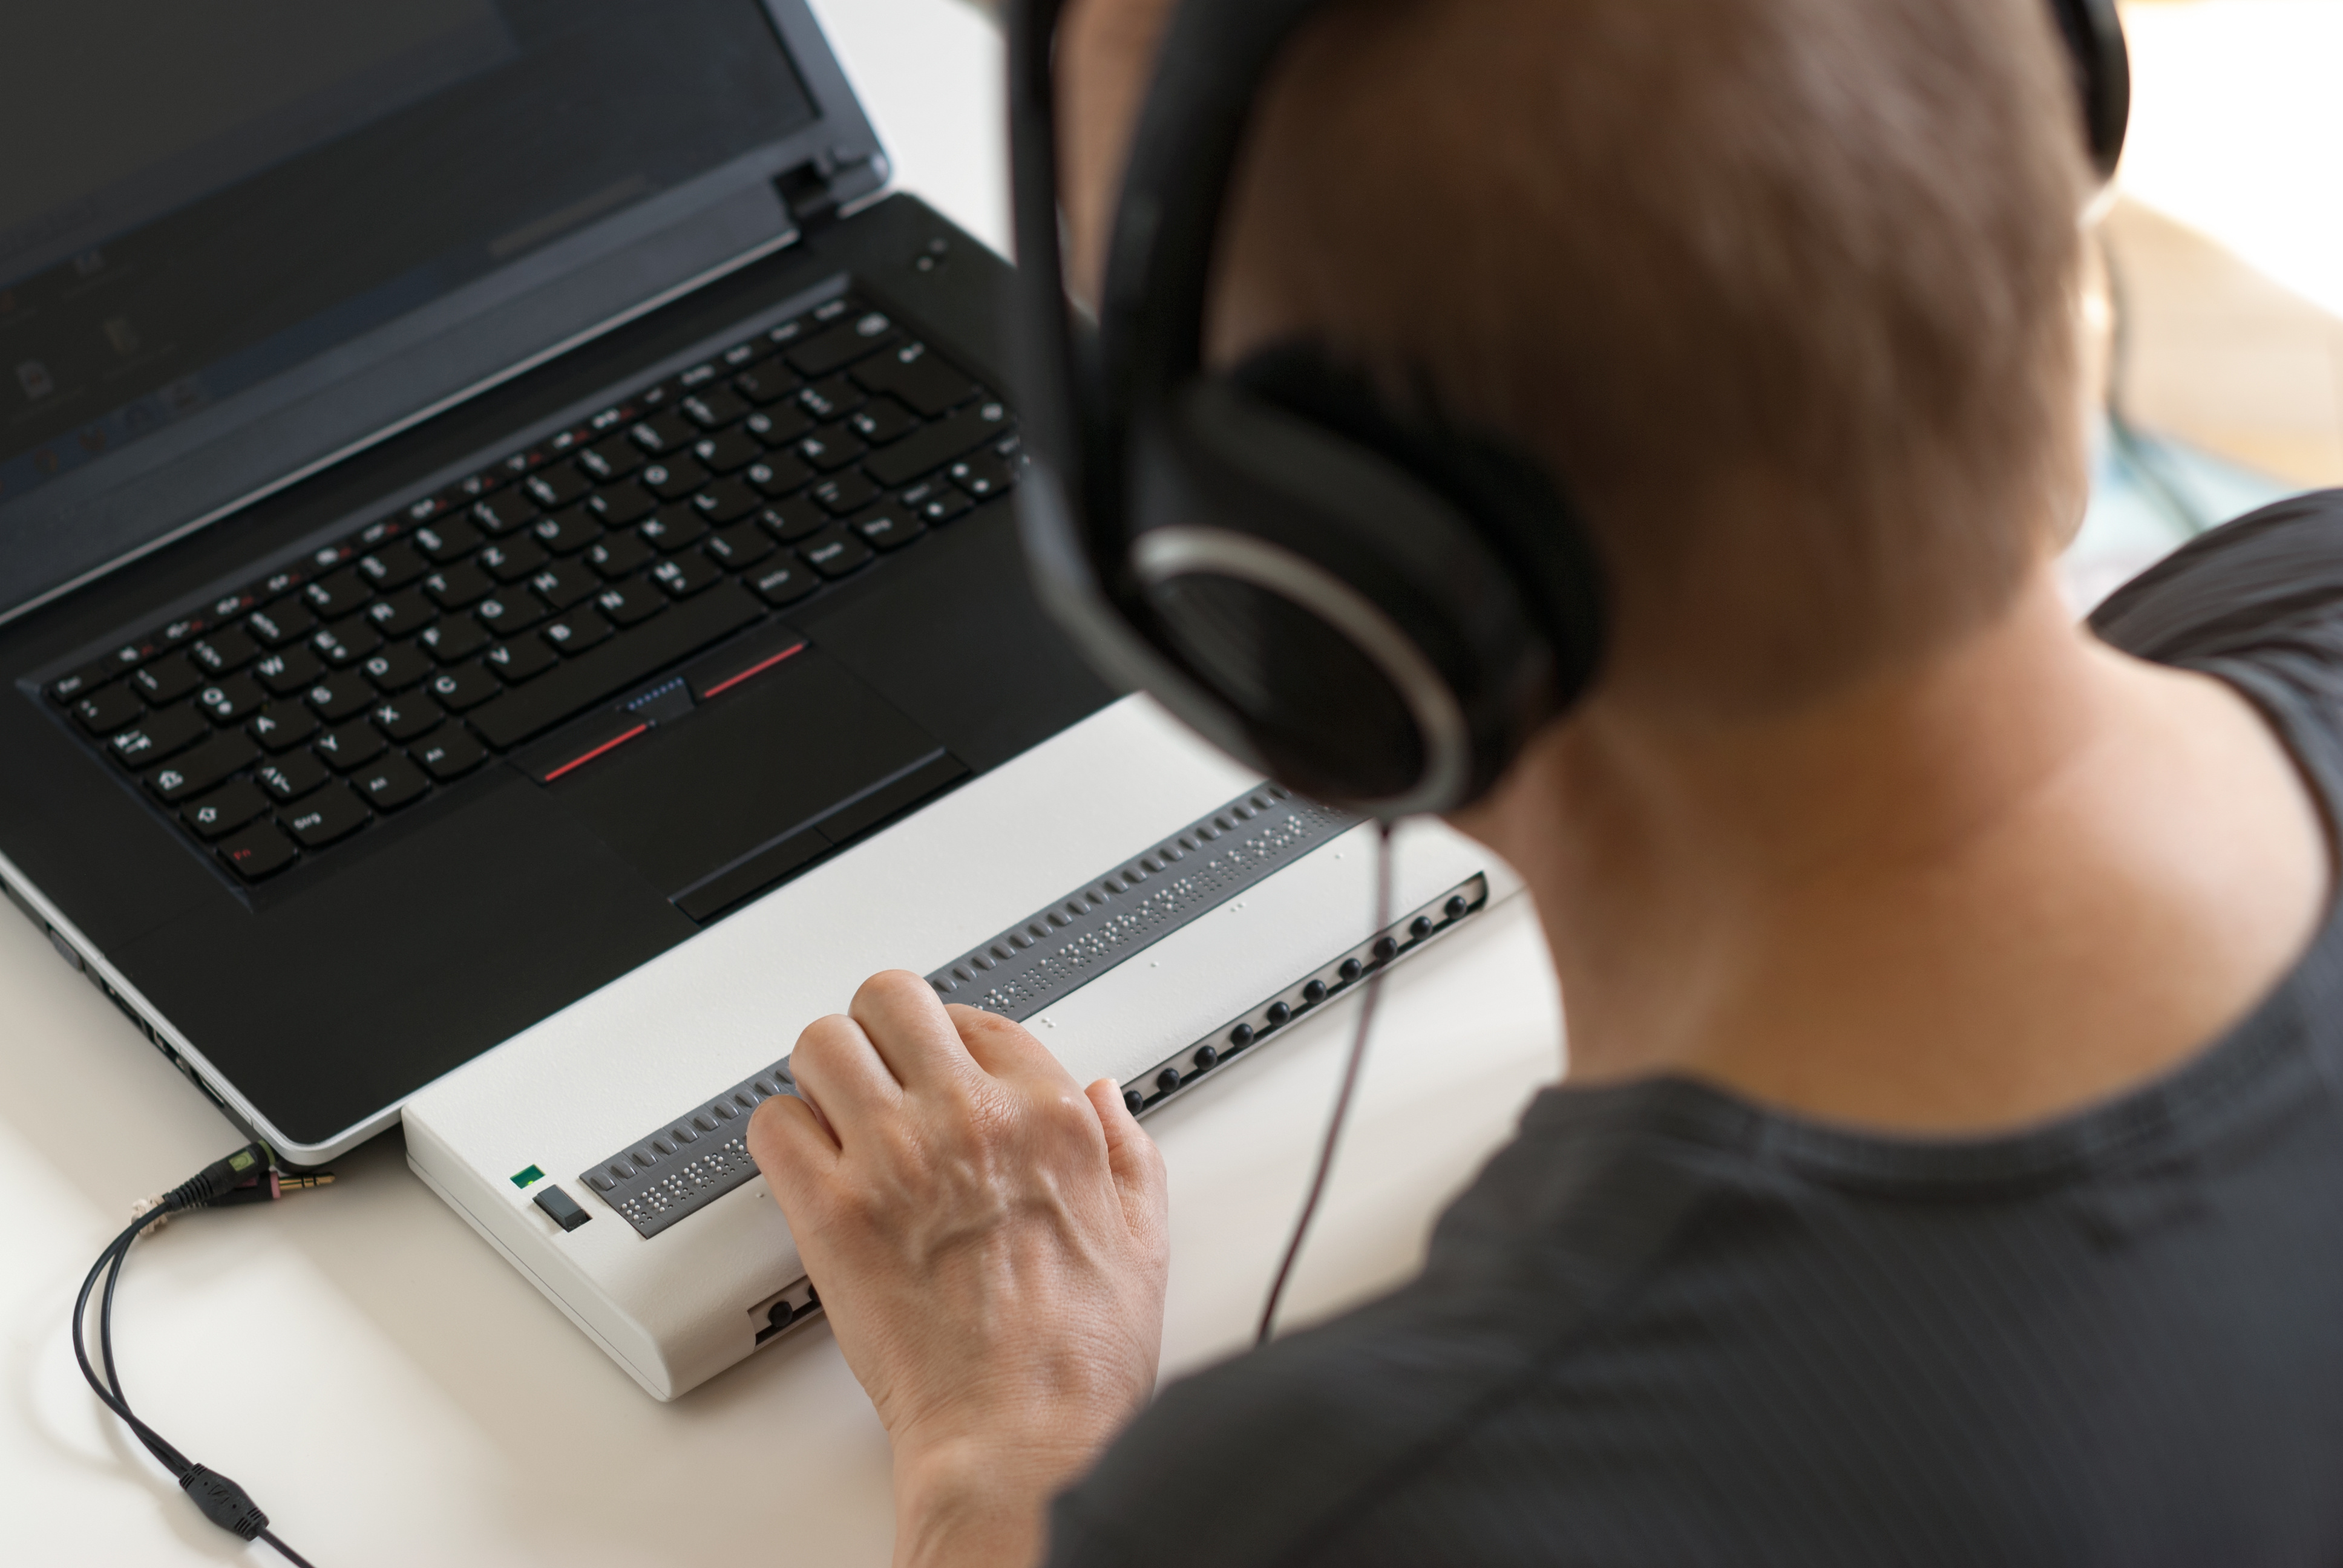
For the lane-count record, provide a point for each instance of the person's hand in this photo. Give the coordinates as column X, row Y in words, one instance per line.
column 989, row 1242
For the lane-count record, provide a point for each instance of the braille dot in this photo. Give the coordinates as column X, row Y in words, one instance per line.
column 1278, row 1012
column 1314, row 991
column 1242, row 1035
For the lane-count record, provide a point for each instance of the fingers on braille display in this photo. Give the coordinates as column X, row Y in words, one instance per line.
column 908, row 1030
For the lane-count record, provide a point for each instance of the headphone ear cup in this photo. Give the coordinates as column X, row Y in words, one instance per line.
column 1352, row 619
column 2101, row 58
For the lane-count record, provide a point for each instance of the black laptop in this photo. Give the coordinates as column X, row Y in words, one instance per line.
column 487, row 488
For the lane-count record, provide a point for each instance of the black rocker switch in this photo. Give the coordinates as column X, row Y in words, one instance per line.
column 563, row 1208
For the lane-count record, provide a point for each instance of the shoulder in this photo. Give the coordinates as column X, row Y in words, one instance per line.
column 2232, row 589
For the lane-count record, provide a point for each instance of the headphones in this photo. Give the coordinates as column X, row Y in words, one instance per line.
column 1379, row 612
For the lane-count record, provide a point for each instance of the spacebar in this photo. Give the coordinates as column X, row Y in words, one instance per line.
column 578, row 683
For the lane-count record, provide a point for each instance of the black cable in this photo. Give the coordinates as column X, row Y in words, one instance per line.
column 243, row 1177
column 1350, row 1084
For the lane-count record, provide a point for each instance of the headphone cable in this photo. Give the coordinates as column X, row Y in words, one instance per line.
column 1382, row 953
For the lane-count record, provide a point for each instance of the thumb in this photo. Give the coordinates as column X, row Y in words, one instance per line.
column 1136, row 1163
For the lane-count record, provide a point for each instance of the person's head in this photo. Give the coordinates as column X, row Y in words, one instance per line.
column 1780, row 290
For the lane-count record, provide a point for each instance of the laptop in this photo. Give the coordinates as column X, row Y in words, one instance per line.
column 511, row 606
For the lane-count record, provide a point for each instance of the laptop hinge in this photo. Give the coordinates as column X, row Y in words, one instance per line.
column 816, row 190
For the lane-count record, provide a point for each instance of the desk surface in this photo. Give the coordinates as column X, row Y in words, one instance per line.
column 394, row 1392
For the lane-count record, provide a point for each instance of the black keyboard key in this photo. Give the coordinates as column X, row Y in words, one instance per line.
column 393, row 566
column 350, row 746
column 675, row 529
column 501, row 516
column 739, row 548
column 390, row 783
column 397, row 667
column 325, row 817
column 345, row 641
column 685, row 575
column 733, row 450
column 515, row 662
column 618, row 556
column 466, row 686
column 207, row 766
column 782, row 473
column 672, row 478
column 233, row 700
column 450, row 754
column 108, row 709
column 341, row 694
column 460, row 585
column 509, row 560
column 224, row 810
column 291, row 776
column 618, row 664
column 781, row 426
column 888, row 528
column 612, row 460
column 664, row 432
column 454, row 640
column 835, row 551
column 71, row 688
column 768, row 382
column 449, row 540
column 285, row 621
column 937, row 502
column 784, row 584
column 882, row 421
column 744, row 354
column 282, row 725
column 621, row 507
column 725, row 500
column 712, row 408
column 630, row 604
column 564, row 583
column 830, row 448
column 510, row 611
column 338, row 594
column 834, row 398
column 160, row 735
column 289, row 671
column 845, row 495
column 228, row 650
column 165, row 680
column 576, row 632
column 790, row 521
column 258, row 852
column 403, row 719
column 566, row 533
column 917, row 454
column 842, row 345
column 982, row 475
column 403, row 614
column 562, row 485
column 917, row 378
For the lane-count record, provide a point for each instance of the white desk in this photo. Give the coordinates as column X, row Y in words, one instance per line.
column 395, row 1394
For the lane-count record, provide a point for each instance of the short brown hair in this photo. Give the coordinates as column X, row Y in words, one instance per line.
column 1781, row 288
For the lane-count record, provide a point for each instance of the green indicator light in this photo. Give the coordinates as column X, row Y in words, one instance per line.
column 528, row 1176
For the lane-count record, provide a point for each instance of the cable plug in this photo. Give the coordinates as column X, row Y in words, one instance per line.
column 270, row 1187
column 224, row 1502
column 218, row 1176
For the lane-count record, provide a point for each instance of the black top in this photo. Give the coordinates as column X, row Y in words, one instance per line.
column 1667, row 1327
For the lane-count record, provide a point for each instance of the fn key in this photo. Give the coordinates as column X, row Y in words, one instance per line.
column 258, row 851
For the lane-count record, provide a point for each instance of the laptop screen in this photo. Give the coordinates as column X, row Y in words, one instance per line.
column 204, row 201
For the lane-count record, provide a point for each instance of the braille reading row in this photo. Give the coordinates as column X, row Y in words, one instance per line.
column 291, row 712
column 1099, row 925
column 689, row 1162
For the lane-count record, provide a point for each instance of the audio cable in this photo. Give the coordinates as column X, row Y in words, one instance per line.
column 244, row 1177
column 1385, row 950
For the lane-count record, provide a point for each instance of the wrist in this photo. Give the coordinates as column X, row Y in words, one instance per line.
column 978, row 1501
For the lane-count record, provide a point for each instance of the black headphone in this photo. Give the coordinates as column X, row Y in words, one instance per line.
column 1377, row 612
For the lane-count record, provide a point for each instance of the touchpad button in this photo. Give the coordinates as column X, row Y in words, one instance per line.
column 744, row 783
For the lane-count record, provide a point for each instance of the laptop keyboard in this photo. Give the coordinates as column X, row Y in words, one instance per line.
column 396, row 662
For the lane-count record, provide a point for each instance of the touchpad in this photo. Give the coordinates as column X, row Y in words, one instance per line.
column 731, row 797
